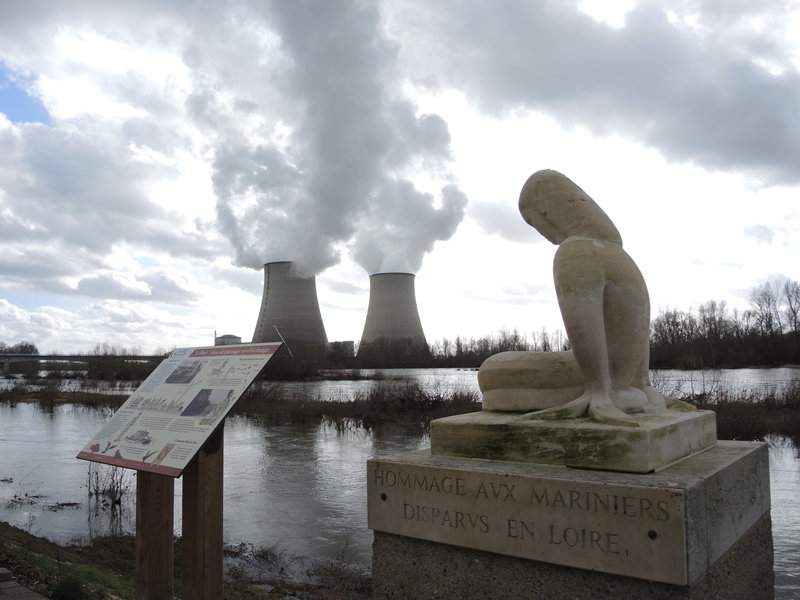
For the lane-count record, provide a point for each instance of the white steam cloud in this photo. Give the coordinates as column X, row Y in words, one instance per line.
column 340, row 173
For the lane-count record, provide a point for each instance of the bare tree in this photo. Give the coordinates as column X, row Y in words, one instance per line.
column 764, row 300
column 712, row 320
column 791, row 297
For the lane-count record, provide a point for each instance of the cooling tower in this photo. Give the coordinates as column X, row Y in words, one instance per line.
column 290, row 304
column 392, row 317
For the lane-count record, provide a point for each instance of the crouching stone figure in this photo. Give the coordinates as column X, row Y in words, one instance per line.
column 606, row 310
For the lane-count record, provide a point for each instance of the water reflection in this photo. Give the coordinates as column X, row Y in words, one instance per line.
column 784, row 468
column 43, row 488
column 303, row 488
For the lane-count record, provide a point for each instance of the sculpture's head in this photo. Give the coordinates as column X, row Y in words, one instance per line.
column 558, row 209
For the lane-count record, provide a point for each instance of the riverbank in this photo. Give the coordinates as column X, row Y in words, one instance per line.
column 105, row 569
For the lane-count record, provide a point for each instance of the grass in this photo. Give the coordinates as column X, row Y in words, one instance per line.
column 105, row 569
column 44, row 566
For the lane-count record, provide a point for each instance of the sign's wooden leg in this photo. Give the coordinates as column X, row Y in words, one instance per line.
column 155, row 502
column 202, row 522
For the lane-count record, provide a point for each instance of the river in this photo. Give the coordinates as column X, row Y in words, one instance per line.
column 299, row 489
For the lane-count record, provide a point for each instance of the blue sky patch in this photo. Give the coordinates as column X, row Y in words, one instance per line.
column 17, row 105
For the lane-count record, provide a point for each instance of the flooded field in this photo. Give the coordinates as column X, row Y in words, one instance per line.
column 297, row 488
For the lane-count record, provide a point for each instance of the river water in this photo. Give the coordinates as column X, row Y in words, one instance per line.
column 299, row 489
column 673, row 382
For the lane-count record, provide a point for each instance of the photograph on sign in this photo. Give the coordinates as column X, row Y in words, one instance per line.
column 170, row 416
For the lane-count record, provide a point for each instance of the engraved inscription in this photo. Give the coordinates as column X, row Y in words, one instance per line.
column 446, row 518
column 520, row 529
column 425, row 482
column 588, row 524
column 628, row 506
column 500, row 491
column 584, row 538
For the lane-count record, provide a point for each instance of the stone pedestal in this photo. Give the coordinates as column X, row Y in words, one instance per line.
column 660, row 439
column 450, row 527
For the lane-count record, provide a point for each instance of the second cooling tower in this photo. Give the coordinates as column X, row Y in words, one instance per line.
column 290, row 304
column 392, row 314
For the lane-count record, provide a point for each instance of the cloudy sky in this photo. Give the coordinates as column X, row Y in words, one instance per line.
column 156, row 154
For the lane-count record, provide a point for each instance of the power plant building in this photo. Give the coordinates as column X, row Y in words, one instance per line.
column 227, row 339
column 392, row 328
column 289, row 303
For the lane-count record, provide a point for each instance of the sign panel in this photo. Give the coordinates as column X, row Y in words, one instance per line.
column 637, row 531
column 171, row 415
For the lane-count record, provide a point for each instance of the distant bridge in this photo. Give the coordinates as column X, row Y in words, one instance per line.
column 7, row 359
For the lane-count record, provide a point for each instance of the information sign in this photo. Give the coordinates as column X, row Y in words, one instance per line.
column 170, row 416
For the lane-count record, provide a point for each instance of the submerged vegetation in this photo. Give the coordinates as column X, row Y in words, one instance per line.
column 397, row 402
column 749, row 416
column 400, row 403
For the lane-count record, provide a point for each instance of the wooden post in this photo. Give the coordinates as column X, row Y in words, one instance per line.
column 155, row 502
column 202, row 522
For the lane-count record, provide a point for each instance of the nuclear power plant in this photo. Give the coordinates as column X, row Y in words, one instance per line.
column 392, row 332
column 290, row 304
column 392, row 335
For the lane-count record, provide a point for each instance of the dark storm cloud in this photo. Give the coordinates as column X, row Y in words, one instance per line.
column 698, row 93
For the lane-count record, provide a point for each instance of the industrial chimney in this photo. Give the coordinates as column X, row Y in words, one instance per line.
column 290, row 304
column 393, row 333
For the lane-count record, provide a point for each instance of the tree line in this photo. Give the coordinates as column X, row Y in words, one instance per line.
column 19, row 348
column 768, row 333
column 104, row 362
column 471, row 352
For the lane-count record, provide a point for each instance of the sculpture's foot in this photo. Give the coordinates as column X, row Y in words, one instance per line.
column 639, row 400
column 607, row 413
column 574, row 409
column 630, row 400
column 596, row 407
column 655, row 401
column 679, row 405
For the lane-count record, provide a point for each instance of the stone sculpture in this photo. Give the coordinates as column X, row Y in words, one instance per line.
column 606, row 310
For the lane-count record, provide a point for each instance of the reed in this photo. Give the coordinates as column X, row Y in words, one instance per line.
column 751, row 415
column 741, row 415
column 406, row 404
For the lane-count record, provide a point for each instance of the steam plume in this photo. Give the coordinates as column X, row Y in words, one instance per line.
column 341, row 173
